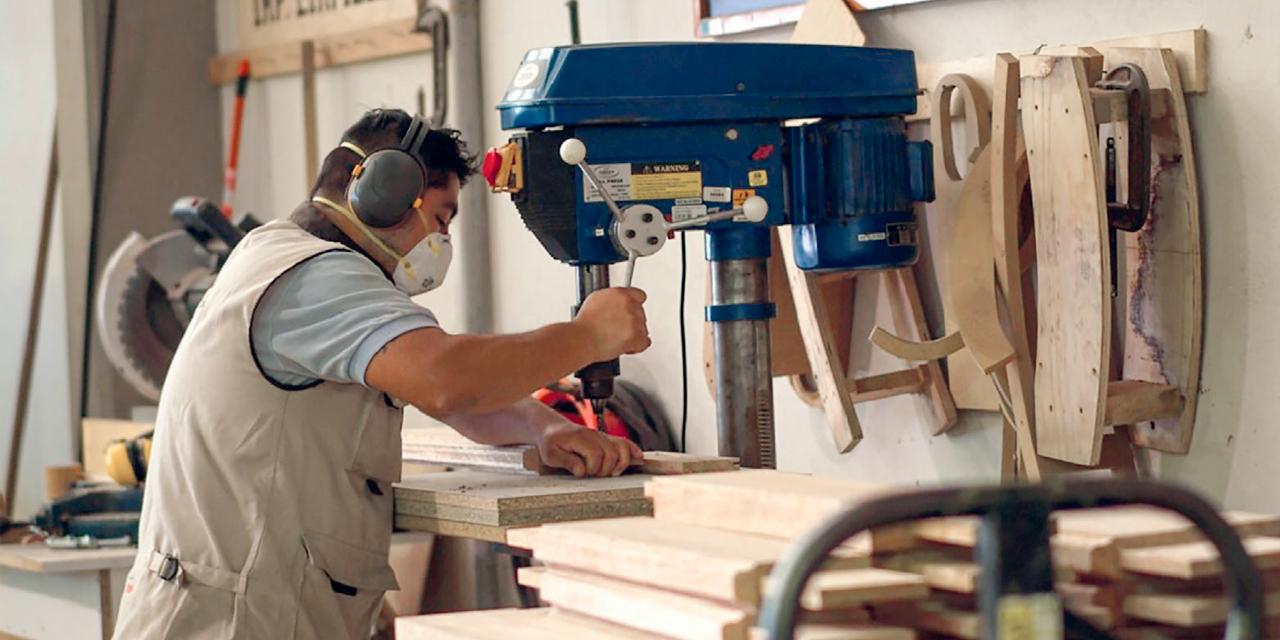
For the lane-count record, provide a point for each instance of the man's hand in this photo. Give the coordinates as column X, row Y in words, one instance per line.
column 586, row 452
column 615, row 318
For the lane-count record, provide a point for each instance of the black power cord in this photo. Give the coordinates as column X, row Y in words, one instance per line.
column 684, row 349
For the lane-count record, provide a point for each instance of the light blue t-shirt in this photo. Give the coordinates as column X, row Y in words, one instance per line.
column 326, row 318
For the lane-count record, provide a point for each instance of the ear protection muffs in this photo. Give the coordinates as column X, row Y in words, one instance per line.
column 388, row 183
column 127, row 459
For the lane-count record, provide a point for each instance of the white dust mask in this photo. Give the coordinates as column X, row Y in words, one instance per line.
column 425, row 266
column 420, row 270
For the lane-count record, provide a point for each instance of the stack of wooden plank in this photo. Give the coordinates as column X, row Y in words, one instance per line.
column 697, row 568
column 1136, row 572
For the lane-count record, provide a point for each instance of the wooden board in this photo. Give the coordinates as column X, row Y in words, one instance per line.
column 1188, row 47
column 645, row 608
column 828, row 22
column 1164, row 284
column 1136, row 527
column 829, row 590
column 850, row 631
column 935, row 618
column 542, row 515
column 712, row 563
column 391, row 39
column 1186, row 610
column 1196, row 559
column 512, row 624
column 494, row 491
column 1074, row 337
column 768, row 502
column 815, row 322
column 908, row 312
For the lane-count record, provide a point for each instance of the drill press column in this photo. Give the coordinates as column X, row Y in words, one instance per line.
column 740, row 311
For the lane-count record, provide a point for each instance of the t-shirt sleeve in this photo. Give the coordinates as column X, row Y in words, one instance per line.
column 326, row 318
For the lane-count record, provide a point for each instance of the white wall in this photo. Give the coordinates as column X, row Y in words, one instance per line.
column 26, row 129
column 1234, row 138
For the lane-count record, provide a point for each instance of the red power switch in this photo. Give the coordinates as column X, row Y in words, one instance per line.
column 502, row 169
column 762, row 152
column 492, row 164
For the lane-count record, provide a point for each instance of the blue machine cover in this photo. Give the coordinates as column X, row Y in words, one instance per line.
column 706, row 82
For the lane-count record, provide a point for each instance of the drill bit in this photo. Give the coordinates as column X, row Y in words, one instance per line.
column 597, row 407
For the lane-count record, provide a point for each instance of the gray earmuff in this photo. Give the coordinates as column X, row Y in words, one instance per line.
column 388, row 182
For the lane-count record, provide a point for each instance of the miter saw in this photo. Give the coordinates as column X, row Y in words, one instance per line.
column 625, row 144
column 150, row 288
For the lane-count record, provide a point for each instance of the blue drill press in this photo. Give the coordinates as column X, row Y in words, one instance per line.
column 623, row 145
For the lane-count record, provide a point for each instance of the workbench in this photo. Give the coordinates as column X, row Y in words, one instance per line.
column 56, row 593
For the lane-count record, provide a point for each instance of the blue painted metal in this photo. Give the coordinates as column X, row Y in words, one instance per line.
column 705, row 82
column 715, row 114
column 742, row 242
column 728, row 312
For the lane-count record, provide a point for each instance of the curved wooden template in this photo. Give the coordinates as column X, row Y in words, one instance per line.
column 971, row 269
column 1074, row 341
column 977, row 119
column 917, row 351
column 1164, row 328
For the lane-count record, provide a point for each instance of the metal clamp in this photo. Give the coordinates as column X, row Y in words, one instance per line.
column 1132, row 214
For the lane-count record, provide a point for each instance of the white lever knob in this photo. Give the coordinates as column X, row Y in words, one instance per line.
column 573, row 151
column 755, row 208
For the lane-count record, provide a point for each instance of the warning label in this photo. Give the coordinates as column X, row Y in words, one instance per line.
column 648, row 181
column 666, row 180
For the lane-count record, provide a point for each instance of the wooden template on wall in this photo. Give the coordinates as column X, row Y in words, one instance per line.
column 723, row 17
column 266, row 22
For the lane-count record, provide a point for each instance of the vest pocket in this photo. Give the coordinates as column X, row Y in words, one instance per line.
column 348, row 565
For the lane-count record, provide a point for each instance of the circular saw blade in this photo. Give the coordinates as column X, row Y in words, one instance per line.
column 139, row 325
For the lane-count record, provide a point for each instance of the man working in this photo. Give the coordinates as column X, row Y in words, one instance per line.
column 268, row 507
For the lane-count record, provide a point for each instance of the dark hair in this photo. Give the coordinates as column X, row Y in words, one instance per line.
column 442, row 151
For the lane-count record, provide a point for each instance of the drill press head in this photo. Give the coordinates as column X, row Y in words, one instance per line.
column 606, row 134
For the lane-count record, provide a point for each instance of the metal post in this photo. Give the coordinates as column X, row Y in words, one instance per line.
column 744, row 386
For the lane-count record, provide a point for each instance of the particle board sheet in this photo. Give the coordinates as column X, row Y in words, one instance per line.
column 712, row 563
column 645, row 608
column 658, row 463
column 500, row 491
column 454, row 528
column 767, row 502
column 516, row 517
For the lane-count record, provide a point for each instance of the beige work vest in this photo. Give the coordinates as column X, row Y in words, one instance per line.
column 267, row 512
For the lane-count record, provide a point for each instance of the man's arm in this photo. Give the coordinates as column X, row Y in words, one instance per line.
column 561, row 443
column 449, row 375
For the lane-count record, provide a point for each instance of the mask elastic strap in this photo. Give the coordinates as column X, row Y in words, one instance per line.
column 435, row 246
column 349, row 215
column 354, row 149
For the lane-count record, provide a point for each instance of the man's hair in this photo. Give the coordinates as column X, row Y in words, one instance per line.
column 442, row 151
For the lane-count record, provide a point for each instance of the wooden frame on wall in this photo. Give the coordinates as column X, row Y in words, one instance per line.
column 763, row 14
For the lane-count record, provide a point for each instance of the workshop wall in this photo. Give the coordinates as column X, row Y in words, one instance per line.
column 27, row 73
column 1234, row 138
